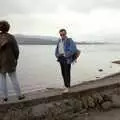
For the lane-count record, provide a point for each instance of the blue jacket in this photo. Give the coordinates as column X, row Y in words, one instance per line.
column 69, row 48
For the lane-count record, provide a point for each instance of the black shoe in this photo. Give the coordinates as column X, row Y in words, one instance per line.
column 5, row 99
column 21, row 97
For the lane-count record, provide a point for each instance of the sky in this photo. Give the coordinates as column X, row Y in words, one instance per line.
column 84, row 20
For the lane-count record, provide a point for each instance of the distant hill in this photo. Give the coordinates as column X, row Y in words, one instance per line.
column 43, row 40
column 47, row 40
column 92, row 43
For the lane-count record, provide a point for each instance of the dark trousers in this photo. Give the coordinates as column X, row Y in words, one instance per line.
column 66, row 74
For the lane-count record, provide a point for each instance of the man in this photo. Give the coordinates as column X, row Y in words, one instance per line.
column 65, row 50
column 9, row 53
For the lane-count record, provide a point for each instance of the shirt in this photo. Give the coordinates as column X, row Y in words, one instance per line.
column 61, row 47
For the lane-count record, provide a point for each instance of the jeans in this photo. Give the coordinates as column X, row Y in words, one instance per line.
column 66, row 72
column 14, row 81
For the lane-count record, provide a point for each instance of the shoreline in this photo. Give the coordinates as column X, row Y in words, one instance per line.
column 40, row 104
column 98, row 79
column 116, row 62
column 79, row 102
column 41, row 95
column 75, row 85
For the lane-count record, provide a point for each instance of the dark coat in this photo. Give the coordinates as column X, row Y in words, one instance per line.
column 9, row 53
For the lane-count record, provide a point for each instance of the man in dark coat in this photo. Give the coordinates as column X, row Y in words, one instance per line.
column 64, row 52
column 9, row 53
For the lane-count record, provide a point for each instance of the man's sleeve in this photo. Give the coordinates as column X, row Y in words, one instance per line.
column 56, row 50
column 72, row 48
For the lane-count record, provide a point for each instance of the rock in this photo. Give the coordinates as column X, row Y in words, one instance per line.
column 80, row 105
column 83, row 111
column 85, row 103
column 68, row 102
column 66, row 116
column 107, row 97
column 106, row 105
column 19, row 114
column 76, row 104
column 97, row 98
column 116, row 100
column 91, row 102
column 100, row 70
column 41, row 109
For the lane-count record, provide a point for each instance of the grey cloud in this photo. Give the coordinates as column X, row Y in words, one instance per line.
column 88, row 5
column 9, row 6
column 27, row 6
column 46, row 6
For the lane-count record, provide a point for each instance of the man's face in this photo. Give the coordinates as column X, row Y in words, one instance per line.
column 63, row 35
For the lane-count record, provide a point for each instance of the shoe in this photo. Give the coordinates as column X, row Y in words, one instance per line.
column 66, row 90
column 4, row 100
column 21, row 97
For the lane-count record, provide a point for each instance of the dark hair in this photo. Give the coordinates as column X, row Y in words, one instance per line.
column 4, row 26
column 63, row 30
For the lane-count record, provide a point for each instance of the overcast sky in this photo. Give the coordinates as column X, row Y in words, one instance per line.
column 84, row 19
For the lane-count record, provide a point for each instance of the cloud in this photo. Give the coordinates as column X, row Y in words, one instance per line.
column 80, row 18
column 50, row 6
column 98, row 22
column 27, row 6
column 88, row 5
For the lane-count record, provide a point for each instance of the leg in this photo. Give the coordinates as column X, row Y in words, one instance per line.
column 4, row 84
column 67, row 74
column 65, row 68
column 68, row 69
column 62, row 69
column 15, row 83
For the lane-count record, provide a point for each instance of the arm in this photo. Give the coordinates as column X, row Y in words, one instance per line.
column 72, row 48
column 15, row 47
column 56, row 51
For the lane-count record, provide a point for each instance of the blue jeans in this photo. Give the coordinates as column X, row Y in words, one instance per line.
column 14, row 81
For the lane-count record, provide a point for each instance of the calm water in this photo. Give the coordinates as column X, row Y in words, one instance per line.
column 38, row 68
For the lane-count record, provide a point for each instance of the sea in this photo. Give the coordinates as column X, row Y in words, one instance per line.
column 38, row 68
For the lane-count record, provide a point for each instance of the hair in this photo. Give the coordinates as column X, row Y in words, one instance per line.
column 4, row 26
column 63, row 30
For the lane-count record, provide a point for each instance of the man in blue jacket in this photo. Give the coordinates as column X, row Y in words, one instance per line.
column 65, row 50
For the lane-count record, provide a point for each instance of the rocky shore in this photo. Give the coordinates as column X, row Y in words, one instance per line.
column 117, row 62
column 83, row 102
